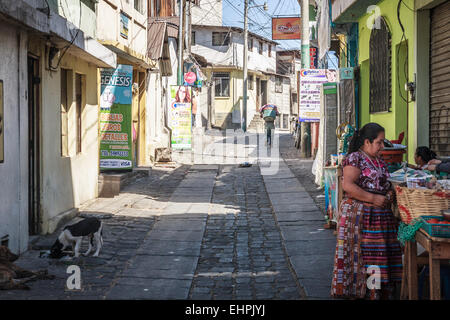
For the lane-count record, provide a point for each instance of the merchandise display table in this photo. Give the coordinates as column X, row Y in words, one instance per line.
column 438, row 249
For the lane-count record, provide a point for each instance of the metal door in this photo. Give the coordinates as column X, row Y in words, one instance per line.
column 34, row 202
column 440, row 80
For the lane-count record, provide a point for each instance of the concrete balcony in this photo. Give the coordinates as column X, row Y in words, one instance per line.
column 345, row 11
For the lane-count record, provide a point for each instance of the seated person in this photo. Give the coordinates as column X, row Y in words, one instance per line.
column 422, row 157
column 439, row 165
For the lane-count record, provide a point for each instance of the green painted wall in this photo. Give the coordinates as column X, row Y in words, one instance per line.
column 394, row 121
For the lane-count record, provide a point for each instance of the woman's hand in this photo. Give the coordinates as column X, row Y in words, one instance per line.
column 379, row 200
column 434, row 161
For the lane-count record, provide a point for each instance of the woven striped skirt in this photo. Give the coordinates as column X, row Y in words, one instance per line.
column 368, row 258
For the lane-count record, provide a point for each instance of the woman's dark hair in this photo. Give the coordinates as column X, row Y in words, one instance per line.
column 369, row 131
column 426, row 154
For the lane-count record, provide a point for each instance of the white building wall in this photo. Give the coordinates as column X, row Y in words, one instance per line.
column 14, row 169
column 108, row 24
column 208, row 13
column 280, row 99
column 256, row 61
column 233, row 54
column 67, row 182
column 220, row 55
column 158, row 96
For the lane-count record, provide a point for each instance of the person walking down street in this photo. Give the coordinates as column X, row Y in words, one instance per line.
column 194, row 106
column 269, row 114
column 367, row 244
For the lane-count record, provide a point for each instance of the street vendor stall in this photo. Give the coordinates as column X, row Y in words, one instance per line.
column 422, row 202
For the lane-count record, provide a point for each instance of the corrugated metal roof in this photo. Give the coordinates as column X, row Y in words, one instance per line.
column 158, row 46
column 155, row 36
column 171, row 22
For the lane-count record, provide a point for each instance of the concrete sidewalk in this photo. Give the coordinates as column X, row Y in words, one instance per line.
column 165, row 263
column 309, row 246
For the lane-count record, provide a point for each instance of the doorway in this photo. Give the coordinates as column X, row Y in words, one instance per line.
column 263, row 92
column 34, row 202
column 258, row 94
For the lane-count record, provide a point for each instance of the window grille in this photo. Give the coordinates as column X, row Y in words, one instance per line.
column 220, row 39
column 380, row 68
column 221, row 84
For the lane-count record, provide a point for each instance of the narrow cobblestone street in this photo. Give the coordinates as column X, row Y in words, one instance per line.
column 201, row 232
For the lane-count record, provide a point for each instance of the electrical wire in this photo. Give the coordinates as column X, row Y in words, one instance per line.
column 66, row 48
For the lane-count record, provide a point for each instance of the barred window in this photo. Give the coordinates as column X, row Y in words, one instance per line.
column 380, row 68
column 250, row 44
column 220, row 39
column 250, row 82
column 221, row 84
column 278, row 84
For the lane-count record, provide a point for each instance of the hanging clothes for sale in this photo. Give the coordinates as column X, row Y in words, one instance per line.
column 323, row 27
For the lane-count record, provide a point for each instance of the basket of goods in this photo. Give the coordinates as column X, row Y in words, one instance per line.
column 269, row 112
column 421, row 195
column 436, row 226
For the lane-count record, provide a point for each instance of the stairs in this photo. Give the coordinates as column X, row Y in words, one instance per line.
column 256, row 125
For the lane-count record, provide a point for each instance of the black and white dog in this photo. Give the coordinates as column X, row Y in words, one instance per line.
column 73, row 235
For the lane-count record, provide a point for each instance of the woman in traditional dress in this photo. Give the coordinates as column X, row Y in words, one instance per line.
column 368, row 258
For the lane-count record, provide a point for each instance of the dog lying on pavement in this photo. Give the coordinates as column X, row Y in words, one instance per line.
column 9, row 272
column 73, row 236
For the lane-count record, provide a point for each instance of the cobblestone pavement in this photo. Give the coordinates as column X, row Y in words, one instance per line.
column 197, row 232
column 128, row 220
column 242, row 255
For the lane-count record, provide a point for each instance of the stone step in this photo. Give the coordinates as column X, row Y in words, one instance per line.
column 110, row 184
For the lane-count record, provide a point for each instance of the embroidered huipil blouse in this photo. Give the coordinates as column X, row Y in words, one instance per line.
column 370, row 179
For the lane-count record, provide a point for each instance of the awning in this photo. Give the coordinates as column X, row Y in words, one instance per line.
column 158, row 46
column 58, row 31
column 129, row 54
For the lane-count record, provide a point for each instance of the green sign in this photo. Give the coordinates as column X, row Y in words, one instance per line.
column 330, row 88
column 115, row 118
column 345, row 73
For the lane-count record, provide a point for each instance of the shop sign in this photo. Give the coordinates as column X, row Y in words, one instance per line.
column 311, row 81
column 286, row 28
column 124, row 25
column 345, row 73
column 190, row 78
column 179, row 116
column 313, row 57
column 330, row 88
column 115, row 118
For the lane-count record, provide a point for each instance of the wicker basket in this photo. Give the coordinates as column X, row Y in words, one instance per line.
column 414, row 203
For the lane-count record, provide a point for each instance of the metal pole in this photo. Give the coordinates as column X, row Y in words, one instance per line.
column 189, row 27
column 306, row 61
column 180, row 46
column 244, row 95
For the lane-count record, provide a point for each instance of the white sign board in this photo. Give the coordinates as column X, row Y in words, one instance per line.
column 311, row 81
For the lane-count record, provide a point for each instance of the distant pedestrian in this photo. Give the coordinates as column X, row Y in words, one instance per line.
column 194, row 105
column 269, row 113
column 367, row 230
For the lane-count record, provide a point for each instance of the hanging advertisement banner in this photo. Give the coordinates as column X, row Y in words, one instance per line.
column 313, row 55
column 286, row 28
column 115, row 118
column 124, row 25
column 180, row 117
column 311, row 81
